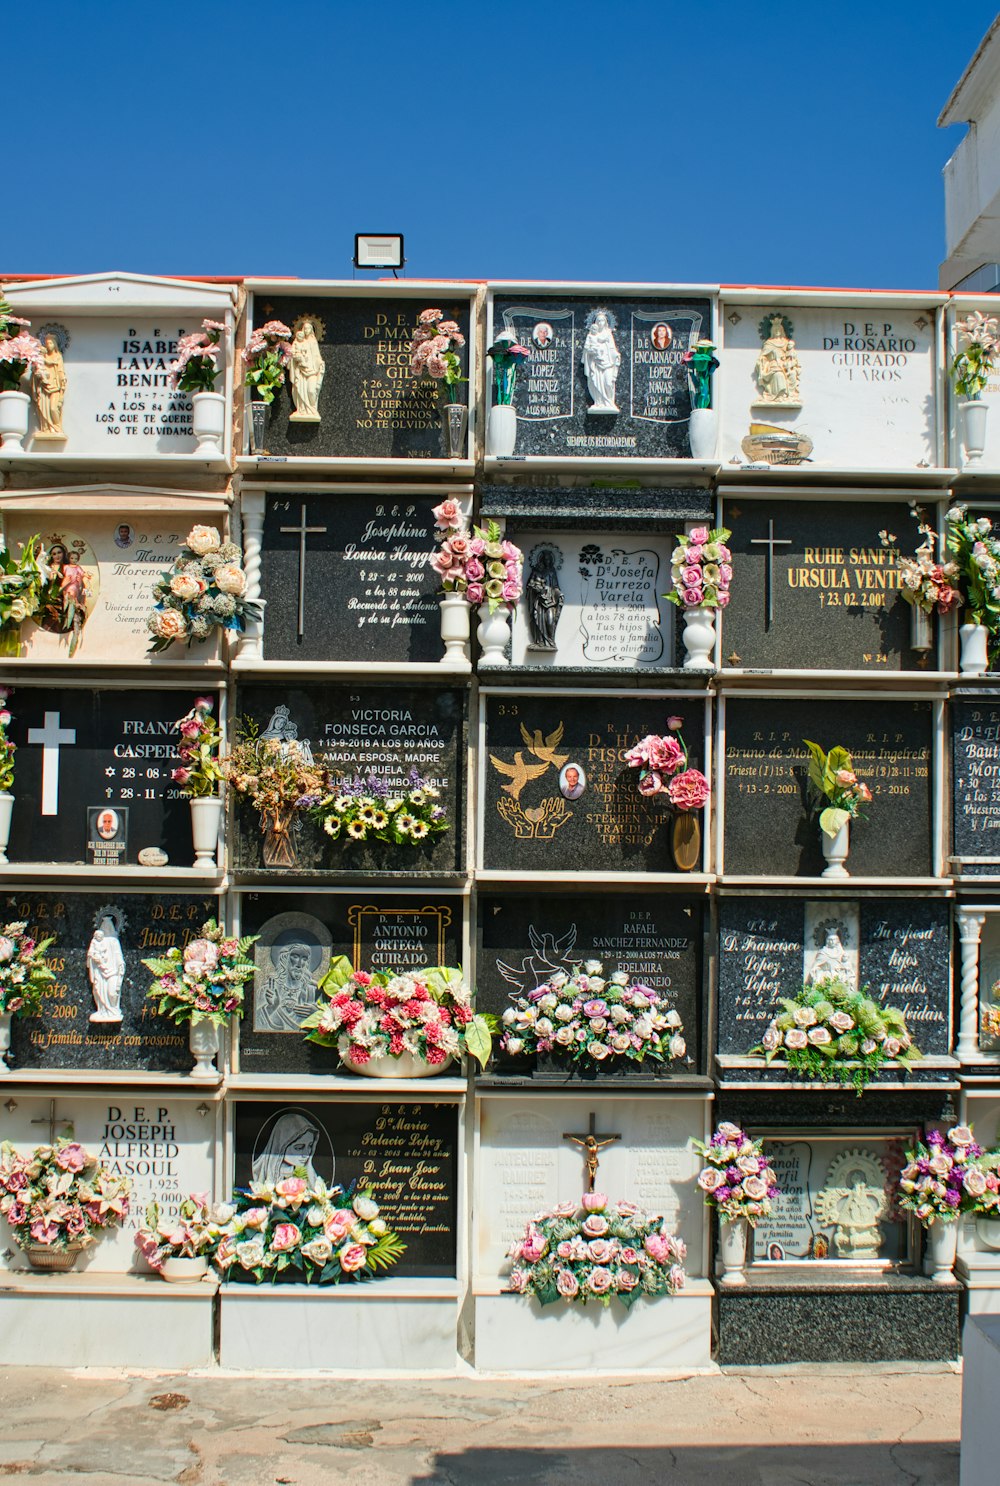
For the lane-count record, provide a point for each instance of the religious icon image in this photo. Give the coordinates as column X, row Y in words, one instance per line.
column 71, row 587
column 777, row 370
column 830, row 944
column 285, row 730
column 661, row 336
column 855, row 1200
column 292, row 956
column 602, row 361
column 306, row 370
column 591, row 1144
column 821, row 1247
column 544, row 597
column 106, row 965
column 293, row 1143
column 572, row 782
column 541, row 336
column 49, row 382
column 124, row 536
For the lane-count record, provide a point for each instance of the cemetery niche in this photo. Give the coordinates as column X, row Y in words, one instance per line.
column 605, row 377
column 299, row 937
column 95, row 1015
column 560, row 794
column 353, row 356
column 975, row 740
column 406, row 1152
column 348, row 578
column 771, row 825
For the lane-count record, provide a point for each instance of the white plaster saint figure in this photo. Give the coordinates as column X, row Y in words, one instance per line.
column 777, row 368
column 48, row 388
column 601, row 361
column 306, row 370
column 855, row 1200
column 106, row 972
column 289, row 993
column 291, row 1143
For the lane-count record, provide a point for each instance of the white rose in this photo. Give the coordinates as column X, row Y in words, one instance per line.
column 558, row 978
column 672, row 1019
column 621, row 1043
column 366, row 1208
column 596, row 984
column 508, row 1017
column 548, row 1003
column 677, row 1047
column 565, row 1036
column 593, row 967
column 620, row 978
column 543, row 1026
column 514, row 1044
column 598, row 1024
column 202, row 539
column 230, row 579
column 619, row 1015
column 187, row 586
column 564, row 1013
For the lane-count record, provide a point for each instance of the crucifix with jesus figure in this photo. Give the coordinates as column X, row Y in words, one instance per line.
column 591, row 1143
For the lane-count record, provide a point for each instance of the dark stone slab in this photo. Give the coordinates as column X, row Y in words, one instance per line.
column 62, row 1036
column 604, row 503
column 366, row 588
column 771, row 828
column 975, row 734
column 370, row 406
column 120, row 758
column 406, row 1152
column 785, row 1107
column 552, row 397
column 657, row 939
column 353, row 727
column 532, row 827
column 300, row 934
column 894, row 1319
column 832, row 586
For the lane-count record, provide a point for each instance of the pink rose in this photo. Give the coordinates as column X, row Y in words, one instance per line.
column 626, row 1280
column 459, row 546
column 795, row 1038
column 286, row 1236
column 475, row 593
column 339, row 1223
column 474, row 570
column 694, row 555
column 255, row 1217
column 630, row 1256
column 190, row 728
column 564, row 1250
column 600, row 1280
column 674, row 724
column 594, row 1202
column 595, row 1226
column 692, row 597
column 567, row 1284
column 534, row 1246
column 200, row 957
column 666, row 754
column 448, row 513
column 657, row 1247
column 601, row 1250
column 71, row 1158
column 354, row 1257
column 511, row 591
column 710, row 1179
column 650, row 784
column 689, row 791
column 292, row 1186
column 722, row 598
column 698, row 534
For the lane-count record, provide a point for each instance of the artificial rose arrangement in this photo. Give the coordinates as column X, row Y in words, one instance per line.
column 701, row 569
column 22, row 582
column 7, row 748
column 923, row 581
column 507, row 356
column 484, row 567
column 19, row 351
column 596, row 1250
column 59, row 1197
column 989, row 1016
column 663, row 765
column 972, row 366
column 200, row 772
column 832, row 777
column 368, row 808
column 593, row 1019
column 195, row 1233
column 204, row 590
column 196, row 367
column 204, row 981
column 830, row 1032
column 426, row 1013
column 265, row 356
column 977, row 556
column 24, row 975
column 434, row 351
column 326, row 1235
column 737, row 1181
column 941, row 1179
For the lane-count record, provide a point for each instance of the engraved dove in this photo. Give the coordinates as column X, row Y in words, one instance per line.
column 549, row 954
column 544, row 746
column 519, row 773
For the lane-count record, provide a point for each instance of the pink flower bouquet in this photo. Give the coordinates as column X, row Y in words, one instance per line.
column 737, row 1181
column 830, row 1032
column 434, row 351
column 600, row 1251
column 194, row 1233
column 482, row 566
column 19, row 351
column 945, row 1176
column 663, row 769
column 701, row 569
column 59, row 1197
column 205, row 590
column 266, row 356
column 24, row 975
column 204, row 981
column 196, row 366
column 300, row 1228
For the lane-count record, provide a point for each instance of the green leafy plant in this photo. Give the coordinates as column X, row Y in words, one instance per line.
column 977, row 554
column 204, row 981
column 829, row 1032
column 832, row 777
column 200, row 772
column 977, row 348
column 266, row 356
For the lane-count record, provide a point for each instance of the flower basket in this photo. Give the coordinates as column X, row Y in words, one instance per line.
column 59, row 1200
column 56, row 1261
column 405, row 1065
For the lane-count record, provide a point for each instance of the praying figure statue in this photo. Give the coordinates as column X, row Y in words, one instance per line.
column 106, row 972
column 48, row 388
column 306, row 369
column 601, row 361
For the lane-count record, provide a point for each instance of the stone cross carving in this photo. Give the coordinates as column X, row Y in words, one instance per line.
column 51, row 737
column 302, row 531
column 590, row 1143
column 770, row 542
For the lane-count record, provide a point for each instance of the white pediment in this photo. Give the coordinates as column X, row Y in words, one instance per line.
column 110, row 293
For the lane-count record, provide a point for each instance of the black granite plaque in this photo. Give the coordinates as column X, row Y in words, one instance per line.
column 771, row 827
column 63, row 1036
column 657, row 939
column 370, row 406
column 897, row 951
column 298, row 937
column 637, row 374
column 559, row 795
column 811, row 592
column 976, row 785
column 406, row 1153
column 78, row 749
column 348, row 729
column 347, row 578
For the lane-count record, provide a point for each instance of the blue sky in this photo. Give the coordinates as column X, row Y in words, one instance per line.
column 779, row 143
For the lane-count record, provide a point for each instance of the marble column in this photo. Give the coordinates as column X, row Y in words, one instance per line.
column 252, row 514
column 970, row 927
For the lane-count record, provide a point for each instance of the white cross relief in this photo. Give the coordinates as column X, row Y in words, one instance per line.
column 51, row 737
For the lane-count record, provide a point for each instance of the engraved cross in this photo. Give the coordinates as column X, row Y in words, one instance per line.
column 770, row 542
column 302, row 531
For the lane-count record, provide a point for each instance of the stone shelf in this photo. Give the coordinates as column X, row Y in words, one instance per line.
column 354, row 1085
column 620, row 1086
column 384, row 469
column 792, row 474
column 604, row 465
column 410, row 671
column 699, row 881
column 41, row 463
column 39, row 1080
column 13, row 874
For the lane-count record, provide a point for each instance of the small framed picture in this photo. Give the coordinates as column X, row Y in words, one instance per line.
column 661, row 336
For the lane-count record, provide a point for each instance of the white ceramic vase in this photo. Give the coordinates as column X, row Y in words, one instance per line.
column 699, row 639
column 733, row 1251
column 703, row 433
column 972, row 419
column 209, row 422
column 6, row 811
column 184, row 1270
column 921, row 628
column 493, row 635
column 942, row 1242
column 988, row 1232
column 206, row 818
column 973, row 657
column 835, row 850
column 5, row 1021
column 456, row 626
column 13, row 421
column 203, row 1040
column 501, row 433
column 407, row 1065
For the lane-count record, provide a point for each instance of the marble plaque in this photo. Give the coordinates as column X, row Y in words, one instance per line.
column 298, row 937
column 62, row 1035
column 370, row 405
column 359, row 567
column 406, row 1152
column 975, row 734
column 658, row 940
column 594, row 599
column 813, row 593
column 559, row 795
column 347, row 729
column 635, row 402
column 771, row 827
column 79, row 749
column 864, row 391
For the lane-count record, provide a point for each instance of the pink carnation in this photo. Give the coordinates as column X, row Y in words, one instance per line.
column 689, row 791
